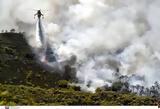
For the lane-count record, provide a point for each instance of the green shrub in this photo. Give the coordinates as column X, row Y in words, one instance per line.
column 62, row 83
column 24, row 95
column 117, row 86
column 75, row 88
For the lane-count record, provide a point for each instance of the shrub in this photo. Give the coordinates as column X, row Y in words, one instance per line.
column 62, row 84
column 98, row 90
column 117, row 86
column 76, row 88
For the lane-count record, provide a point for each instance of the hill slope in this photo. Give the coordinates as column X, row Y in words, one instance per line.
column 18, row 64
column 22, row 95
column 24, row 82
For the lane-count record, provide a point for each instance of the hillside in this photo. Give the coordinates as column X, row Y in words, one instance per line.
column 24, row 82
column 18, row 64
column 67, row 95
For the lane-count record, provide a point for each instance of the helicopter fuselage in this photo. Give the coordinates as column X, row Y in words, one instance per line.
column 39, row 14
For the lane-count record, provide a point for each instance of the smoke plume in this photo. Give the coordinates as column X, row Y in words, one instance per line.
column 108, row 37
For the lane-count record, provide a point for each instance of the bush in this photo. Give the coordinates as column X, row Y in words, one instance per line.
column 76, row 88
column 98, row 90
column 117, row 86
column 62, row 84
column 9, row 50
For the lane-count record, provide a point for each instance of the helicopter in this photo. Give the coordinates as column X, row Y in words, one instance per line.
column 39, row 14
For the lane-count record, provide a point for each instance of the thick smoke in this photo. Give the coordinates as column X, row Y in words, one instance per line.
column 108, row 37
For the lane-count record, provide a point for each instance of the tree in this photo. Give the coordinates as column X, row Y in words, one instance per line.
column 62, row 83
column 125, row 87
column 147, row 92
column 12, row 30
column 98, row 90
column 117, row 86
column 123, row 78
column 153, row 91
column 133, row 88
column 137, row 87
column 142, row 92
column 157, row 85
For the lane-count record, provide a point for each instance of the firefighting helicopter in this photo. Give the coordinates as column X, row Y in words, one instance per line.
column 39, row 14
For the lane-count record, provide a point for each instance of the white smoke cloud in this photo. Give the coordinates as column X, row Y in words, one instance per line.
column 105, row 35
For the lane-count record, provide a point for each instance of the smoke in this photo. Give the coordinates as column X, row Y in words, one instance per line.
column 108, row 37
